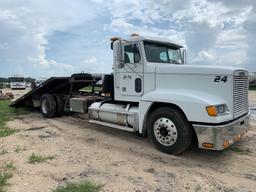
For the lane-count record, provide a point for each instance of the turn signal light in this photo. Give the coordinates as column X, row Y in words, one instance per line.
column 237, row 138
column 226, row 144
column 207, row 145
column 212, row 111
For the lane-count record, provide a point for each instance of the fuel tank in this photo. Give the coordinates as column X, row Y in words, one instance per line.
column 119, row 114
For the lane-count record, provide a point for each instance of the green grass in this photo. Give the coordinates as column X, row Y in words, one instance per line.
column 89, row 88
column 6, row 114
column 252, row 87
column 6, row 171
column 9, row 166
column 19, row 149
column 242, row 151
column 6, row 174
column 4, row 177
column 85, row 186
column 36, row 158
column 3, row 151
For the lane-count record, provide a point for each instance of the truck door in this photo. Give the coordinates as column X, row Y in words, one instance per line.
column 131, row 73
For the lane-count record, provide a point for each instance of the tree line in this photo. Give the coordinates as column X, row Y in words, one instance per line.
column 6, row 80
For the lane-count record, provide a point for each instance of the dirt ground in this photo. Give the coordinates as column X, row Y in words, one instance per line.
column 119, row 160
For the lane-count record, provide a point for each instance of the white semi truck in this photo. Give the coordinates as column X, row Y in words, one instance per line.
column 151, row 91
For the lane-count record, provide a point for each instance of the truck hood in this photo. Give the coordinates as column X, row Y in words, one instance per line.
column 195, row 69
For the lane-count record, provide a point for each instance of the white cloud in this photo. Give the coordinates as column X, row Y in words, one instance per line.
column 124, row 27
column 124, row 8
column 92, row 60
column 4, row 46
column 204, row 56
column 218, row 32
column 26, row 24
column 250, row 30
column 93, row 65
column 237, row 4
column 213, row 31
column 201, row 36
column 233, row 39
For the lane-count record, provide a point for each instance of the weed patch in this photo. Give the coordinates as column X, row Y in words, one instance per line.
column 242, row 151
column 36, row 158
column 19, row 149
column 4, row 177
column 3, row 151
column 7, row 113
column 79, row 187
column 9, row 166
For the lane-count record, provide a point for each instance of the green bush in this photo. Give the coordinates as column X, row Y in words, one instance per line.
column 252, row 87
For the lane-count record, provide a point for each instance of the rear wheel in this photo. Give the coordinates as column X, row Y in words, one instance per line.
column 48, row 106
column 60, row 105
column 169, row 130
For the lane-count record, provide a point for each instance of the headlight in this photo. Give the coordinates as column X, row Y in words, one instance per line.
column 217, row 110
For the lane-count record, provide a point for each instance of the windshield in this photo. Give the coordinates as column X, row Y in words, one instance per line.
column 162, row 53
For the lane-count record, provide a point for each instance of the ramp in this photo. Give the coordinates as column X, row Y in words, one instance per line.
column 59, row 85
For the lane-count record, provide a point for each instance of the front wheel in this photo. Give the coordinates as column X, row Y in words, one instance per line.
column 169, row 130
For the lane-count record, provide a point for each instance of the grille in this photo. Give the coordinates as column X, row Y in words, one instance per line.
column 241, row 85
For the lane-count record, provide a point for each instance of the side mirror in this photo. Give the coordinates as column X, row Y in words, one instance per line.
column 184, row 56
column 111, row 45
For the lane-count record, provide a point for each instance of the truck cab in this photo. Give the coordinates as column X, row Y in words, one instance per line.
column 155, row 93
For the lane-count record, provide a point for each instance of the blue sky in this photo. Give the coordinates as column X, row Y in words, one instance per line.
column 61, row 37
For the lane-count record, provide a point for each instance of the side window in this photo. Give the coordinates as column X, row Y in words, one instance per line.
column 163, row 56
column 131, row 53
column 174, row 55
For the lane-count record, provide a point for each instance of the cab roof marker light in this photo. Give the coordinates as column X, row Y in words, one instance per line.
column 135, row 35
column 114, row 38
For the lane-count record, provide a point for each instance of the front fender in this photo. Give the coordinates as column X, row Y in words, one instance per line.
column 192, row 103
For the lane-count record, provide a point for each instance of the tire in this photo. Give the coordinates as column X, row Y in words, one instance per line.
column 48, row 106
column 60, row 105
column 169, row 130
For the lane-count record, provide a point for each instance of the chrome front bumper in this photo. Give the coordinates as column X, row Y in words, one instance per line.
column 221, row 136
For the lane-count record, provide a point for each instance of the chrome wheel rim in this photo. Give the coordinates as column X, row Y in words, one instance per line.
column 165, row 131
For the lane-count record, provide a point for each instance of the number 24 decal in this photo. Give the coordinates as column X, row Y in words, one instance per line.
column 221, row 78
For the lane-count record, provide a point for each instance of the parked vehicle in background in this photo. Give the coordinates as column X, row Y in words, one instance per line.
column 28, row 84
column 40, row 81
column 17, row 82
column 252, row 81
column 37, row 82
column 252, row 78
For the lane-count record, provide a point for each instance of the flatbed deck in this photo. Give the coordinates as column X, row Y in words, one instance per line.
column 57, row 85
